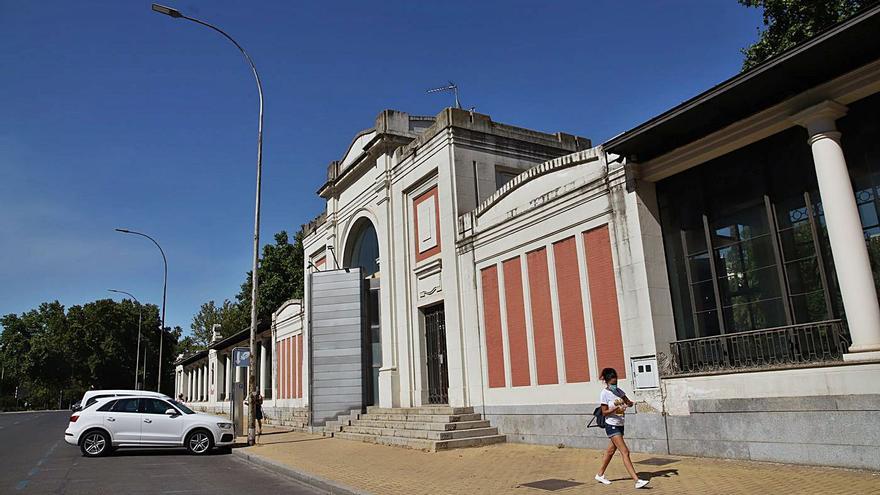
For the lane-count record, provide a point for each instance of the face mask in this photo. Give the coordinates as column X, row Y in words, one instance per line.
column 613, row 388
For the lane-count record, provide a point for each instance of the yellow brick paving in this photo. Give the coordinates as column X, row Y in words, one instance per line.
column 501, row 469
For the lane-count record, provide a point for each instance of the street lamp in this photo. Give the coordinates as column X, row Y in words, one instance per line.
column 164, row 291
column 176, row 14
column 137, row 353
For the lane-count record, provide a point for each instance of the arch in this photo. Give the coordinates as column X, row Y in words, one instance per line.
column 362, row 247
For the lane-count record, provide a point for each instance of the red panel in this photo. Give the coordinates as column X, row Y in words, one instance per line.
column 299, row 365
column 516, row 323
column 279, row 374
column 289, row 360
column 492, row 322
column 542, row 317
column 423, row 197
column 603, row 300
column 571, row 311
column 285, row 368
column 295, row 344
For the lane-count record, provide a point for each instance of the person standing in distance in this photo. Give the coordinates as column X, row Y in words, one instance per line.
column 613, row 401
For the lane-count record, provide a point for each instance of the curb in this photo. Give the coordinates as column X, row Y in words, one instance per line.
column 323, row 484
column 37, row 411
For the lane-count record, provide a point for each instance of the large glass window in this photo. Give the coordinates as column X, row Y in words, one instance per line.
column 861, row 144
column 363, row 250
column 745, row 241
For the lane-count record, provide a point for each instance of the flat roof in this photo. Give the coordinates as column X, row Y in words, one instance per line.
column 842, row 48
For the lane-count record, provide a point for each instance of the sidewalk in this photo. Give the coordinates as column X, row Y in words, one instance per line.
column 505, row 468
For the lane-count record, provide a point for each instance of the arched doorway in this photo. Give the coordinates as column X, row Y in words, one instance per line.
column 362, row 250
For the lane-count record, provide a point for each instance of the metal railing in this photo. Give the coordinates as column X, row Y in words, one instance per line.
column 771, row 348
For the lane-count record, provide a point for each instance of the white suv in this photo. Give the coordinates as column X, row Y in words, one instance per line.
column 134, row 421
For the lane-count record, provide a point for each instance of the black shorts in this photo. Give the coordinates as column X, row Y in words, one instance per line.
column 259, row 414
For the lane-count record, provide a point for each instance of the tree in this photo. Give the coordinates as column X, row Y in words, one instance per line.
column 791, row 22
column 229, row 316
column 281, row 276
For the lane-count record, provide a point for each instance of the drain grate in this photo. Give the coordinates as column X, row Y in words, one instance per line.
column 552, row 484
column 657, row 461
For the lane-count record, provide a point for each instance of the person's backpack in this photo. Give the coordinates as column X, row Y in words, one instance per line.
column 598, row 418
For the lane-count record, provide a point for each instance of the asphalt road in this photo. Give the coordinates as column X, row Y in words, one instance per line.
column 36, row 459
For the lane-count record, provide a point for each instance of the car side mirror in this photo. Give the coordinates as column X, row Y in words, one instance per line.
column 171, row 412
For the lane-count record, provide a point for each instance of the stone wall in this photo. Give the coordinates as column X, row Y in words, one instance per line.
column 832, row 430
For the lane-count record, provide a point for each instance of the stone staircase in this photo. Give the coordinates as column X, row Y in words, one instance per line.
column 296, row 419
column 429, row 428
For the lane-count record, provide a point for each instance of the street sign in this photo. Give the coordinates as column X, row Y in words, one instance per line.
column 241, row 357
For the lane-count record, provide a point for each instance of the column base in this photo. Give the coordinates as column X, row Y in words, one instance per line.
column 861, row 356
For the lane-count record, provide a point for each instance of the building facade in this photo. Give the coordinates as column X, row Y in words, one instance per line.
column 724, row 257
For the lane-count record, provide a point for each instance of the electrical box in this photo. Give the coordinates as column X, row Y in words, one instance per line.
column 238, row 395
column 644, row 371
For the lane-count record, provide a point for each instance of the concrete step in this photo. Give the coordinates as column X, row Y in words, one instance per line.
column 420, row 410
column 423, row 418
column 462, row 443
column 422, row 434
column 410, row 443
column 414, row 425
column 420, row 444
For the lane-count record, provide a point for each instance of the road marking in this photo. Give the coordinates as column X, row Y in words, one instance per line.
column 24, row 483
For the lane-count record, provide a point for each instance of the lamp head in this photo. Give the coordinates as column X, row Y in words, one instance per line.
column 124, row 231
column 166, row 10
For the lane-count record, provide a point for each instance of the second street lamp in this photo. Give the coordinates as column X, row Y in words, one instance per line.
column 164, row 291
column 252, row 373
column 137, row 353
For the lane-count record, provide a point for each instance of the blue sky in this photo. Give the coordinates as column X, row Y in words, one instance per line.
column 111, row 115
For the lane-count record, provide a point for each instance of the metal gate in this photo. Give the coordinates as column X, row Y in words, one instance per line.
column 435, row 347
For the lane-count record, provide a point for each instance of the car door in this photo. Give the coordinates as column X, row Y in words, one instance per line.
column 160, row 428
column 124, row 421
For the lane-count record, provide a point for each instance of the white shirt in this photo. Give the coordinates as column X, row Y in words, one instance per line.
column 613, row 401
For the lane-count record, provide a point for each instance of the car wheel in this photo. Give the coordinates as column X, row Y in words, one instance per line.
column 95, row 443
column 199, row 442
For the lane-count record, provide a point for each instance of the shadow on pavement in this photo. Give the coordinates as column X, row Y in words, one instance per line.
column 647, row 475
column 135, row 452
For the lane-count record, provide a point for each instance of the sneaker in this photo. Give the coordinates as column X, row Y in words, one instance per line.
column 602, row 479
column 642, row 483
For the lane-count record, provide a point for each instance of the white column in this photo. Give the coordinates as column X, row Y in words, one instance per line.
column 229, row 372
column 844, row 229
column 201, row 383
column 262, row 376
column 205, row 379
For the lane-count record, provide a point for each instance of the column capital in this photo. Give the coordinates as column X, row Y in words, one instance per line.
column 820, row 118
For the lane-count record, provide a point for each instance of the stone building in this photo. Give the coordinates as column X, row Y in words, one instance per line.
column 723, row 256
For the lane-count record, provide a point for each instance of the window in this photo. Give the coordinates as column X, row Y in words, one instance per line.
column 182, row 407
column 126, row 406
column 95, row 398
column 745, row 240
column 107, row 406
column 156, row 406
column 503, row 176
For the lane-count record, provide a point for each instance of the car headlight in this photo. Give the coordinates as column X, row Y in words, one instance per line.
column 225, row 426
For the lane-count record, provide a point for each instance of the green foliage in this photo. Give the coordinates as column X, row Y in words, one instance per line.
column 230, row 316
column 51, row 356
column 281, row 278
column 788, row 23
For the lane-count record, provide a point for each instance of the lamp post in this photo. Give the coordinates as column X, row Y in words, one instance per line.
column 137, row 353
column 176, row 14
column 164, row 292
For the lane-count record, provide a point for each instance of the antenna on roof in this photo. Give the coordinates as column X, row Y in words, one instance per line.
column 452, row 87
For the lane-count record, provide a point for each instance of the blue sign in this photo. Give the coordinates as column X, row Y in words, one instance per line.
column 241, row 357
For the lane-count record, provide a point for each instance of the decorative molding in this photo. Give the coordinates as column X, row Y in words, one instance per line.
column 547, row 167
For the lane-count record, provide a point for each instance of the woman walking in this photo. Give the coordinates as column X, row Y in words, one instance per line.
column 614, row 402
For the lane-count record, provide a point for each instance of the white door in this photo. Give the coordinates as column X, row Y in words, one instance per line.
column 160, row 428
column 124, row 421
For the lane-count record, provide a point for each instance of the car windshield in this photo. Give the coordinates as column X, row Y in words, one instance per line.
column 180, row 406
